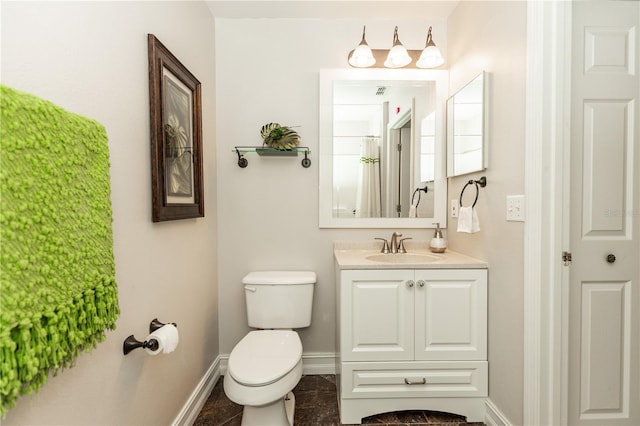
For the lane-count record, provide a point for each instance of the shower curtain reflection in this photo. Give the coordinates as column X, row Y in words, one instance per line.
column 368, row 193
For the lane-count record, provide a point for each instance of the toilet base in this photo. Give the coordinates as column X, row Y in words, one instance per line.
column 278, row 413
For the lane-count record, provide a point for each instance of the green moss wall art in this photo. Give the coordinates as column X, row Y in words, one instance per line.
column 58, row 293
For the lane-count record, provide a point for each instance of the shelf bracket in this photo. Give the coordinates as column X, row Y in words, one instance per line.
column 306, row 163
column 242, row 162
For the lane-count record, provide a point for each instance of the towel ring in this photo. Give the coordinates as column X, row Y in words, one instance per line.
column 425, row 189
column 482, row 182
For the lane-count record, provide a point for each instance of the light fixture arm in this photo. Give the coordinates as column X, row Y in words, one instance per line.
column 396, row 39
column 429, row 39
column 363, row 41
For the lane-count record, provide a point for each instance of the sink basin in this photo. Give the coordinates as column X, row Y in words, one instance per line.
column 414, row 258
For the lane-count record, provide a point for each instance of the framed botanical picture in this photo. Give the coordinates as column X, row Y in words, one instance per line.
column 176, row 137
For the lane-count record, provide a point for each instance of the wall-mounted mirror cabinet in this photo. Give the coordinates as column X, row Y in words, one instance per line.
column 467, row 137
column 382, row 148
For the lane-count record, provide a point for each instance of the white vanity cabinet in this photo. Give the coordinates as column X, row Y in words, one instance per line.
column 412, row 339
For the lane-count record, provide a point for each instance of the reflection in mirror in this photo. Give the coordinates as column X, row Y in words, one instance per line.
column 381, row 148
column 379, row 128
column 467, row 141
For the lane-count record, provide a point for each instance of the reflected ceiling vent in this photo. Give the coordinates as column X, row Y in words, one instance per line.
column 381, row 90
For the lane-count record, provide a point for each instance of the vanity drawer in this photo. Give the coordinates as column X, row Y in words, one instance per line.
column 414, row 379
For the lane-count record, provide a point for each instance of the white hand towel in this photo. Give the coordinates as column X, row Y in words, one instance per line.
column 468, row 220
column 413, row 211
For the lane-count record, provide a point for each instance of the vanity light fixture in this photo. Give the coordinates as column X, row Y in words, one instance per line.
column 362, row 56
column 398, row 56
column 431, row 56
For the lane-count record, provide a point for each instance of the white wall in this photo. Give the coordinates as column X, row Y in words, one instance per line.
column 491, row 36
column 268, row 70
column 91, row 58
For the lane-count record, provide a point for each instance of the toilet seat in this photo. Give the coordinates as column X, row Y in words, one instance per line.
column 263, row 357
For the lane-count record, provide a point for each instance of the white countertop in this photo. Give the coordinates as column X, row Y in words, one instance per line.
column 353, row 255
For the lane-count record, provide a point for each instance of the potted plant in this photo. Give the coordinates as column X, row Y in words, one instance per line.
column 279, row 137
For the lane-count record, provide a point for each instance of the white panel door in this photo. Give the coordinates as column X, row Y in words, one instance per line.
column 604, row 355
column 451, row 314
column 377, row 315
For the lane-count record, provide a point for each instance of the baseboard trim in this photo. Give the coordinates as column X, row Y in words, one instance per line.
column 319, row 363
column 189, row 412
column 493, row 416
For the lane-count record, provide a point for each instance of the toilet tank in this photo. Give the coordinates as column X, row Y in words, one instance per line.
column 279, row 299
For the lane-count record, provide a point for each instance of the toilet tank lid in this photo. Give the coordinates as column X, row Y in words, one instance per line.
column 279, row 277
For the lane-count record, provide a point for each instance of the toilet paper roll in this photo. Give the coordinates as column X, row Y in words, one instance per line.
column 167, row 338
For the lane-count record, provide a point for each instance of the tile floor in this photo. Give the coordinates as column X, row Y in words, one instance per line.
column 317, row 405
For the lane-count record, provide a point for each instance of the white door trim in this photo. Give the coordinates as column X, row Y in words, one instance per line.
column 546, row 151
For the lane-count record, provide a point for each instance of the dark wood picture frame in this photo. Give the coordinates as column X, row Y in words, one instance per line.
column 176, row 137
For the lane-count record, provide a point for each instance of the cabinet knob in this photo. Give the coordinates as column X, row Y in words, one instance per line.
column 410, row 283
column 421, row 283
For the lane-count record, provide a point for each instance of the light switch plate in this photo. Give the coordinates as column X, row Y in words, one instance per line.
column 455, row 206
column 515, row 208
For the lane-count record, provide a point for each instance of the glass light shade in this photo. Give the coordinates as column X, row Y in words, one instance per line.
column 430, row 58
column 362, row 56
column 398, row 57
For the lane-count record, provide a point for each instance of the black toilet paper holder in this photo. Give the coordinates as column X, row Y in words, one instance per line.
column 131, row 343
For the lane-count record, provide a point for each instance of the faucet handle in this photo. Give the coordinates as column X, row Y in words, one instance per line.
column 401, row 248
column 385, row 245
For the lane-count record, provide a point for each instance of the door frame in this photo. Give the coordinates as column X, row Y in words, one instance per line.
column 547, row 137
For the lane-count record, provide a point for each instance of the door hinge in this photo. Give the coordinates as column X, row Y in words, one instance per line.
column 399, row 147
column 566, row 258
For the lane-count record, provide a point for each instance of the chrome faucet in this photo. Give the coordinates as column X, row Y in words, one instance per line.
column 395, row 246
column 394, row 242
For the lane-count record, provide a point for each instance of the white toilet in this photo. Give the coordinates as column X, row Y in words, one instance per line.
column 266, row 364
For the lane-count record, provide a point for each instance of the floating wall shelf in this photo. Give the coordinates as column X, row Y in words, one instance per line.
column 271, row 152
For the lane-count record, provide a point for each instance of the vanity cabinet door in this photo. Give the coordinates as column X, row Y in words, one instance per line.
column 451, row 314
column 377, row 311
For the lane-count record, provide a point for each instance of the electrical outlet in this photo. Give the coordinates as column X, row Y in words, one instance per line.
column 455, row 206
column 515, row 208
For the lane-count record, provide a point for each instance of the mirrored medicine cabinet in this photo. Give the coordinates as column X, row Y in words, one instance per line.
column 467, row 128
column 382, row 148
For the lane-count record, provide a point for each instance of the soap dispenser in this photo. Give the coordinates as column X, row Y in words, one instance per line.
column 438, row 244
